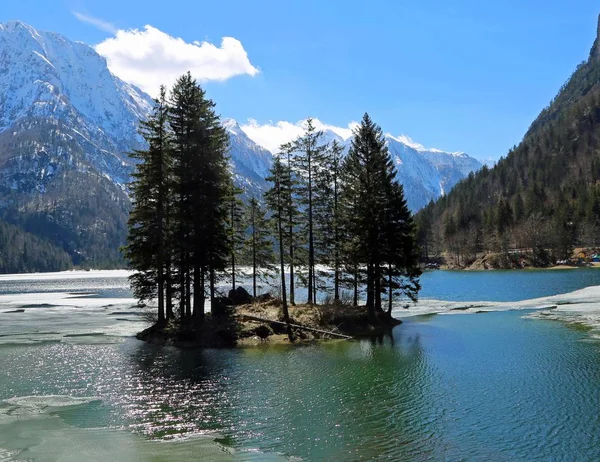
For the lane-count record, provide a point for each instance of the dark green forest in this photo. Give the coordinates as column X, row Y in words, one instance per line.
column 56, row 195
column 538, row 202
column 23, row 252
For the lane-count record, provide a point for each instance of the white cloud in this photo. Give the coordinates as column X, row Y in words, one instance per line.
column 149, row 58
column 272, row 135
column 96, row 22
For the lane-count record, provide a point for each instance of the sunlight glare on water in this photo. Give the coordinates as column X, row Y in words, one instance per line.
column 488, row 386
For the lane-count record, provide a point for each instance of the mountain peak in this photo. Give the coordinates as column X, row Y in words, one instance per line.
column 11, row 25
column 231, row 126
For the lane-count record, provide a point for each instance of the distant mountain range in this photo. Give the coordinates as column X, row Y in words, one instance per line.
column 67, row 124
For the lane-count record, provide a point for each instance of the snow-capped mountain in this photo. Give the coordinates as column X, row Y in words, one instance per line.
column 250, row 162
column 67, row 124
column 426, row 174
column 45, row 78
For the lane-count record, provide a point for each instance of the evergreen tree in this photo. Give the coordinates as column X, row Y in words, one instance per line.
column 202, row 181
column 147, row 247
column 258, row 243
column 309, row 154
column 327, row 213
column 289, row 185
column 376, row 216
column 236, row 227
column 275, row 198
column 400, row 247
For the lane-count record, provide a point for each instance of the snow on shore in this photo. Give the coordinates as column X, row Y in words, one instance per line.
column 62, row 275
column 579, row 307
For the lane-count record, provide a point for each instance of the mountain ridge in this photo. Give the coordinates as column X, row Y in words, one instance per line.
column 66, row 126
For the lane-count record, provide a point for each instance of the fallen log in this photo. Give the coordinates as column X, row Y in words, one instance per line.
column 295, row 326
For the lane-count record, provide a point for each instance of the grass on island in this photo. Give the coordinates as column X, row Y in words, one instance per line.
column 232, row 328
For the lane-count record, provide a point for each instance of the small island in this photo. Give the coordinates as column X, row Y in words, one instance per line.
column 247, row 321
column 331, row 220
column 262, row 322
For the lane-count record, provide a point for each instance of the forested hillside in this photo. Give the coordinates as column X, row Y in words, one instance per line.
column 539, row 201
column 22, row 252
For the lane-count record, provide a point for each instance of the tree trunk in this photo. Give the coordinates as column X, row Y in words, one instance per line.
column 336, row 237
column 198, row 294
column 182, row 291
column 289, row 205
column 188, row 294
column 370, row 290
column 314, row 287
column 336, row 284
column 378, row 288
column 292, row 296
column 213, row 302
column 233, row 271
column 311, row 249
column 161, row 296
column 370, row 298
column 253, row 253
column 286, row 314
column 169, row 294
column 233, row 243
column 390, row 290
column 355, row 298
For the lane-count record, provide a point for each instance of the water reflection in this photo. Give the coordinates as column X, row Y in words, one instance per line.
column 340, row 400
column 482, row 387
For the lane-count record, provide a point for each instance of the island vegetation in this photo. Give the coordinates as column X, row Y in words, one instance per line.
column 335, row 225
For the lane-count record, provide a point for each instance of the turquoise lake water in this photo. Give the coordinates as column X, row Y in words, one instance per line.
column 490, row 386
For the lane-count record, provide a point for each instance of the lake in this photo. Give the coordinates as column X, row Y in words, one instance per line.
column 503, row 385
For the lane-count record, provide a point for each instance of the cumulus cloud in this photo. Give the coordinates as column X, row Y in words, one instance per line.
column 271, row 135
column 149, row 58
column 96, row 22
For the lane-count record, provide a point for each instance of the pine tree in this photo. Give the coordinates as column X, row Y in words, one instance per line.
column 236, row 227
column 376, row 217
column 258, row 243
column 147, row 249
column 289, row 185
column 328, row 223
column 309, row 152
column 183, row 119
column 275, row 198
column 400, row 247
column 201, row 186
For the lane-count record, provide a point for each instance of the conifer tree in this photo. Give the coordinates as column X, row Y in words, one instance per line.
column 309, row 152
column 399, row 245
column 328, row 223
column 376, row 217
column 289, row 186
column 236, row 227
column 275, row 199
column 201, row 186
column 258, row 244
column 147, row 248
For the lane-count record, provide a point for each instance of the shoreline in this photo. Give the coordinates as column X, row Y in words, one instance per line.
column 579, row 307
column 472, row 268
column 256, row 324
column 581, row 257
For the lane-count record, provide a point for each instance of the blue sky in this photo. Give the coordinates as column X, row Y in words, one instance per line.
column 461, row 75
